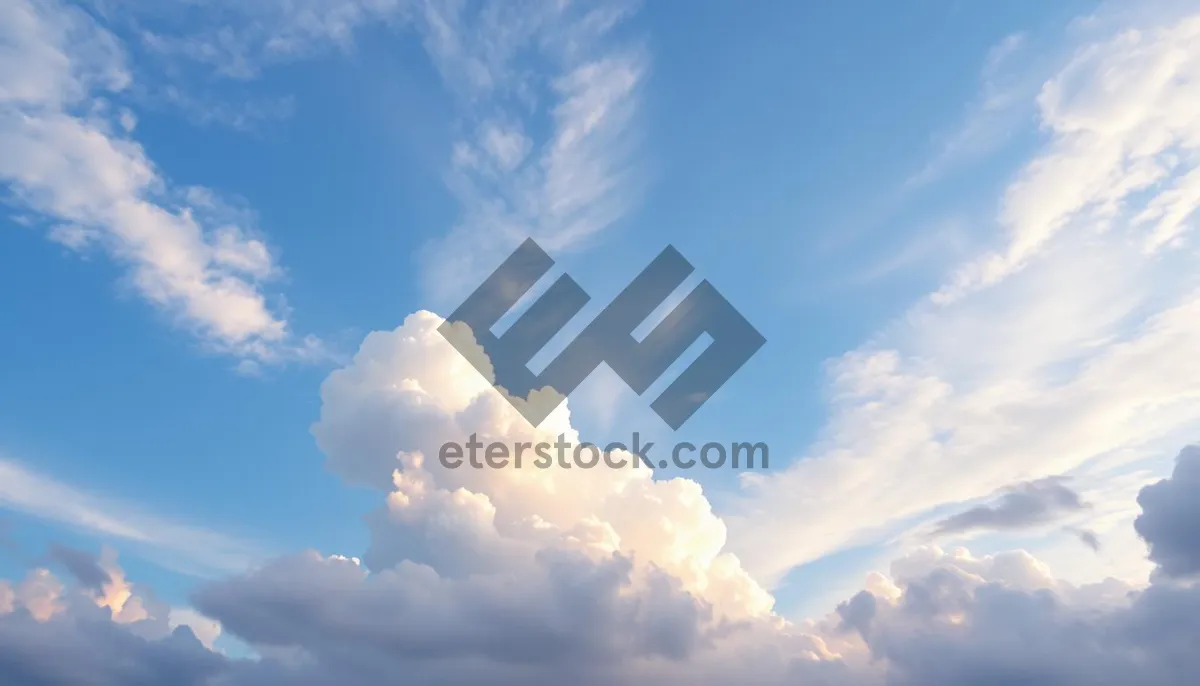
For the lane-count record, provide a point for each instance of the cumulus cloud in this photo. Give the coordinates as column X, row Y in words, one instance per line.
column 1020, row 506
column 527, row 576
column 101, row 594
column 90, row 650
column 67, row 156
column 1170, row 519
column 936, row 618
column 1004, row 620
column 80, row 564
column 386, row 415
column 565, row 609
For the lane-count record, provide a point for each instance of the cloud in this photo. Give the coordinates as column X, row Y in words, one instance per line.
column 991, row 118
column 244, row 116
column 1170, row 519
column 82, row 565
column 1123, row 117
column 498, row 576
column 1088, row 538
column 66, row 154
column 384, row 418
column 1021, row 506
column 52, row 634
column 1073, row 364
column 513, row 66
column 936, row 618
column 953, row 618
column 565, row 609
column 239, row 39
column 527, row 576
column 178, row 545
column 547, row 99
column 1002, row 619
column 206, row 630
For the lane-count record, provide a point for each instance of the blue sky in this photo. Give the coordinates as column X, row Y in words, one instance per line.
column 962, row 228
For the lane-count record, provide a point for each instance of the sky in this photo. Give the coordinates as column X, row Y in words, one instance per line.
column 230, row 232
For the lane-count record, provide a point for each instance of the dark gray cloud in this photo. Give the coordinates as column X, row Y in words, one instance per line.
column 89, row 650
column 857, row 613
column 1086, row 537
column 561, row 616
column 995, row 635
column 328, row 622
column 565, row 617
column 1170, row 519
column 1031, row 503
column 565, row 608
column 81, row 564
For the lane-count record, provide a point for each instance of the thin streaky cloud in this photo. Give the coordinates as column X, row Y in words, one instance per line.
column 1039, row 357
column 562, row 186
column 183, row 547
column 69, row 158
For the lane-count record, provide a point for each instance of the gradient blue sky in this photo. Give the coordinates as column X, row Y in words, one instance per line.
column 840, row 172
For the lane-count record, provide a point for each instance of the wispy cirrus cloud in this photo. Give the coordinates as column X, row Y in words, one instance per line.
column 991, row 118
column 185, row 547
column 239, row 39
column 547, row 99
column 1063, row 351
column 549, row 102
column 1123, row 120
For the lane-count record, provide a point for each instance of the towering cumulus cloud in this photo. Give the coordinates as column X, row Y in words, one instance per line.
column 507, row 576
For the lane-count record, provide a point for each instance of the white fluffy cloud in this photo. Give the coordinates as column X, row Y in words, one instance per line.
column 385, row 417
column 498, row 575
